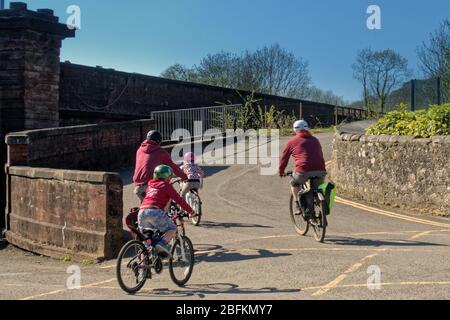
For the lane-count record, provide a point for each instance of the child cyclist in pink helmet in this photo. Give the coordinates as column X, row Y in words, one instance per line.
column 194, row 173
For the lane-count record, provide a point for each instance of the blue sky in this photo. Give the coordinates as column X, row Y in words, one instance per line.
column 146, row 36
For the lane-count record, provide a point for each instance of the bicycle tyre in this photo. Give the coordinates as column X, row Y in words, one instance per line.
column 301, row 227
column 141, row 283
column 187, row 275
column 320, row 232
column 198, row 216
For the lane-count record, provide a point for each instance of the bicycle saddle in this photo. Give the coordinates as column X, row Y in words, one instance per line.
column 150, row 234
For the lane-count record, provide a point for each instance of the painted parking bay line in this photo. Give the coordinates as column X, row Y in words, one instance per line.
column 403, row 283
column 355, row 267
column 45, row 294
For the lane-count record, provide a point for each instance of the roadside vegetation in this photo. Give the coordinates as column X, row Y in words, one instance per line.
column 254, row 116
column 423, row 123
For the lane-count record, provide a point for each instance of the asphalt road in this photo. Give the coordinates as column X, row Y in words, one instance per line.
column 248, row 249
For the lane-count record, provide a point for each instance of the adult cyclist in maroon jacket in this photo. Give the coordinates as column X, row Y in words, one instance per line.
column 309, row 161
column 148, row 157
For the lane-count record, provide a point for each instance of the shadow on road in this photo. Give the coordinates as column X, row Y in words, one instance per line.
column 202, row 290
column 347, row 241
column 217, row 253
column 227, row 225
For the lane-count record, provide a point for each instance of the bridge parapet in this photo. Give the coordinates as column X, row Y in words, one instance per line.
column 55, row 209
column 62, row 213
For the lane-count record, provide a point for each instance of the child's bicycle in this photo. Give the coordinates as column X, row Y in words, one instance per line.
column 194, row 200
column 316, row 217
column 138, row 257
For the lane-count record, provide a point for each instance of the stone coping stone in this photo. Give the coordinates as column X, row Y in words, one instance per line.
column 25, row 137
column 64, row 175
column 392, row 139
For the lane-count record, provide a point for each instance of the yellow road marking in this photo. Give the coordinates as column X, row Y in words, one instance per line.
column 14, row 274
column 63, row 290
column 359, row 249
column 391, row 214
column 395, row 232
column 405, row 283
column 344, row 286
column 333, row 284
column 419, row 235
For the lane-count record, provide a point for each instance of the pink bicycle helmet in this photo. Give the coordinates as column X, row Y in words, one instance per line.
column 189, row 157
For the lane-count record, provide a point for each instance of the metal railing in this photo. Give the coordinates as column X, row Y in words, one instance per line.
column 215, row 119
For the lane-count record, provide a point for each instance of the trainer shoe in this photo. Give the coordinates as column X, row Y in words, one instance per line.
column 163, row 250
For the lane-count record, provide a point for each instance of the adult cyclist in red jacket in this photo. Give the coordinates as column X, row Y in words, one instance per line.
column 309, row 160
column 148, row 157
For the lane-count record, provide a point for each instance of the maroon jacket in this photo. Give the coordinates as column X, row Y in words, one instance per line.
column 158, row 194
column 148, row 157
column 307, row 152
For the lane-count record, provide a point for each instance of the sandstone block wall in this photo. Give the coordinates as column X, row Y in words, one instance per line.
column 59, row 212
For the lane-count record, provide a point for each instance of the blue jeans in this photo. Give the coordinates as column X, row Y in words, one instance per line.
column 155, row 219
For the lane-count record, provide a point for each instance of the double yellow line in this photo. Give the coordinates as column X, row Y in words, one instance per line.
column 391, row 214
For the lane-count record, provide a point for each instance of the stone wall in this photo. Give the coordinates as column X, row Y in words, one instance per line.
column 61, row 212
column 397, row 171
column 53, row 208
column 89, row 147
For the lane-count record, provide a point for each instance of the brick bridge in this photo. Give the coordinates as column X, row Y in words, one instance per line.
column 37, row 91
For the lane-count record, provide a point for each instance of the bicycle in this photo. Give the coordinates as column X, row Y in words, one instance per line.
column 143, row 256
column 316, row 219
column 194, row 200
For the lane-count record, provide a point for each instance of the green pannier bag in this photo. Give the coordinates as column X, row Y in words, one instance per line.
column 329, row 191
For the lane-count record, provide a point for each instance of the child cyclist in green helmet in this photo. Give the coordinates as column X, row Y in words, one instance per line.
column 152, row 214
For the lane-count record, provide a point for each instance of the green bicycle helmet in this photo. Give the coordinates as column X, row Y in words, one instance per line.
column 162, row 172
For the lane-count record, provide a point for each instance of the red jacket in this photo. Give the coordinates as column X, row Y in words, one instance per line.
column 307, row 152
column 159, row 193
column 148, row 157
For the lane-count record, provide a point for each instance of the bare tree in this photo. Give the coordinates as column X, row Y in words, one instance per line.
column 434, row 55
column 329, row 97
column 270, row 70
column 219, row 69
column 179, row 72
column 281, row 72
column 380, row 72
column 361, row 70
column 388, row 71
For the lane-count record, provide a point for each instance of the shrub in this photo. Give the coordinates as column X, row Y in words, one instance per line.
column 434, row 122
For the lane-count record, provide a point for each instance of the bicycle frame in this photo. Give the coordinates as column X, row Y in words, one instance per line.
column 177, row 218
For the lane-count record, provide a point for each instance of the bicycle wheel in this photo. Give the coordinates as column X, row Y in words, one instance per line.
column 182, row 263
column 196, row 204
column 132, row 266
column 320, row 223
column 300, row 224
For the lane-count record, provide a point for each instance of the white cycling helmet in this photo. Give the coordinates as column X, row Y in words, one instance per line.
column 301, row 125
